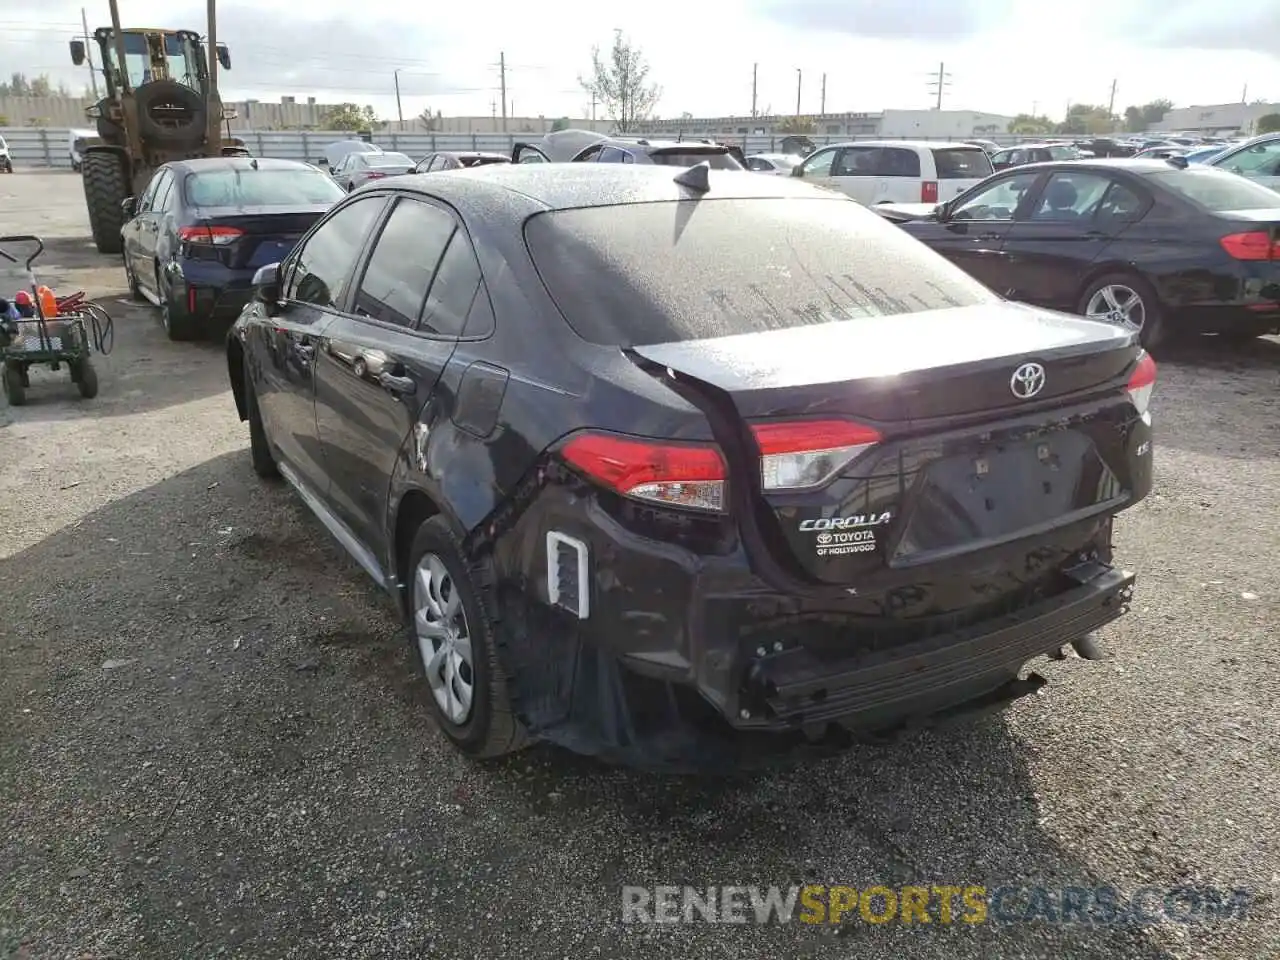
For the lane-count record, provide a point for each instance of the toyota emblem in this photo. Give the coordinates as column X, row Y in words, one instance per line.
column 1027, row 381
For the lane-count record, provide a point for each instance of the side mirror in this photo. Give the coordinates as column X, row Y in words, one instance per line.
column 266, row 288
column 224, row 56
column 129, row 207
column 77, row 52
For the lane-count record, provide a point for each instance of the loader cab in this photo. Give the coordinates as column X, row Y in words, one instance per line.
column 151, row 55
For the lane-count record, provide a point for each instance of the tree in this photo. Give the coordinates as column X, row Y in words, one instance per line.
column 1137, row 119
column 348, row 116
column 429, row 120
column 620, row 81
column 1268, row 124
column 561, row 124
column 795, row 125
column 1088, row 119
column 1031, row 126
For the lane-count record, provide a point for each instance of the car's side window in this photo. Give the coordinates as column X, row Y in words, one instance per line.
column 166, row 196
column 454, row 289
column 1121, row 204
column 855, row 162
column 424, row 165
column 1261, row 160
column 996, row 201
column 897, row 162
column 755, row 163
column 614, row 155
column 405, row 256
column 148, row 197
column 1071, row 196
column 819, row 165
column 590, row 155
column 322, row 269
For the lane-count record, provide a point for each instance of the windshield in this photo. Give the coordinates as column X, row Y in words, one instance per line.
column 387, row 160
column 182, row 63
column 1218, row 191
column 647, row 273
column 1063, row 153
column 715, row 159
column 261, row 188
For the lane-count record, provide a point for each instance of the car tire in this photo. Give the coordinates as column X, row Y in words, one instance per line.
column 179, row 325
column 1094, row 300
column 264, row 461
column 451, row 632
column 15, row 390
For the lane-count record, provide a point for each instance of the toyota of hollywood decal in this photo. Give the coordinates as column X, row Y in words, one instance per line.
column 838, row 536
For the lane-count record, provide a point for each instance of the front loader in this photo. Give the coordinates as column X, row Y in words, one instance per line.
column 162, row 104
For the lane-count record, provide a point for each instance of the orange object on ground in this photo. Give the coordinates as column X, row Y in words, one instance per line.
column 48, row 302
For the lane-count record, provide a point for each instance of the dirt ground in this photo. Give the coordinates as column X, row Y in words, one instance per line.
column 212, row 742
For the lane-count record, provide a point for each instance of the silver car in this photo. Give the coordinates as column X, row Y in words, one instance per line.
column 357, row 169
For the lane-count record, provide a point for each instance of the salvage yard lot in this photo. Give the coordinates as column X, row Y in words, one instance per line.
column 213, row 742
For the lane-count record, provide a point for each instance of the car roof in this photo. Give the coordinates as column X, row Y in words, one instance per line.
column 910, row 144
column 522, row 189
column 205, row 164
column 472, row 153
column 1134, row 165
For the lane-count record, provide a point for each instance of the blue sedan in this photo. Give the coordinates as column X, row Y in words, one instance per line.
column 199, row 231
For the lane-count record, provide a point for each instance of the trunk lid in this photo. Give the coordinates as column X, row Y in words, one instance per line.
column 248, row 237
column 964, row 454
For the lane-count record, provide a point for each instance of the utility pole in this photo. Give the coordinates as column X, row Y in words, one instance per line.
column 399, row 110
column 502, row 79
column 88, row 52
column 1244, row 94
column 941, row 81
column 594, row 102
column 1111, row 103
column 755, row 76
column 211, row 11
column 822, row 104
column 799, row 78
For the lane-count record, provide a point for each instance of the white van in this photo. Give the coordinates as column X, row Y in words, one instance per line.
column 897, row 171
column 75, row 145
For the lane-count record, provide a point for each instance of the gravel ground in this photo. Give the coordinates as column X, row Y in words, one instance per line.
column 212, row 742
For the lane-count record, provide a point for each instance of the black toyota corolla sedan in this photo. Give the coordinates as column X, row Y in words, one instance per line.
column 683, row 466
column 1165, row 245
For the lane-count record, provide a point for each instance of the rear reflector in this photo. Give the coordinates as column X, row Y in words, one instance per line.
column 1142, row 383
column 802, row 454
column 1254, row 245
column 676, row 474
column 205, row 234
column 929, row 191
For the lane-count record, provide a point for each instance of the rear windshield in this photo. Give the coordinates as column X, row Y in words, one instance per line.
column 1217, row 190
column 715, row 159
column 262, row 188
column 962, row 163
column 648, row 273
column 388, row 160
column 481, row 161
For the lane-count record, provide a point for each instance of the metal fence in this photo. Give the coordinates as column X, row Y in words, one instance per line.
column 51, row 146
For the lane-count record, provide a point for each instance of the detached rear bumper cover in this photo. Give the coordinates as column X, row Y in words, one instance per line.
column 933, row 676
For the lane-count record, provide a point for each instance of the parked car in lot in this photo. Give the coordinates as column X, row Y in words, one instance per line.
column 196, row 235
column 1162, row 153
column 6, row 159
column 652, row 477
column 777, row 164
column 1168, row 246
column 1033, row 153
column 584, row 146
column 1258, row 159
column 357, row 169
column 1204, row 154
column 897, row 171
column 339, row 150
column 458, row 160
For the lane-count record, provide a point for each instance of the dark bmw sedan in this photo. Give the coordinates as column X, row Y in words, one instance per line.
column 679, row 467
column 200, row 230
column 1165, row 245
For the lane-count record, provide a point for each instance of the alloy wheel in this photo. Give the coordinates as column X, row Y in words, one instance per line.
column 1116, row 303
column 444, row 640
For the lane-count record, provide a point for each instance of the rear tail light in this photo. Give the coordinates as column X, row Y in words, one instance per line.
column 801, row 454
column 1254, row 245
column 374, row 176
column 929, row 191
column 217, row 236
column 676, row 474
column 1142, row 383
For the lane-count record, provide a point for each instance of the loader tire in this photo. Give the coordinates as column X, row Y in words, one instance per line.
column 105, row 188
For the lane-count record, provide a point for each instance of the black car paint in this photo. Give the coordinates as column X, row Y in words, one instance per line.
column 1172, row 244
column 666, row 672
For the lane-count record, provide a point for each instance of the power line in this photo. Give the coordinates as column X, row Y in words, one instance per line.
column 941, row 80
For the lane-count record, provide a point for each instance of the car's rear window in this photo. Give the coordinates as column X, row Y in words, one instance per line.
column 261, row 188
column 645, row 273
column 1218, row 191
column 962, row 163
column 388, row 160
column 716, row 159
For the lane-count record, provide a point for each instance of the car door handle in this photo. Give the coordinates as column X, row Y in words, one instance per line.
column 990, row 236
column 395, row 384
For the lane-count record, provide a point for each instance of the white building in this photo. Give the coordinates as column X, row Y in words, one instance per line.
column 942, row 124
column 1216, row 119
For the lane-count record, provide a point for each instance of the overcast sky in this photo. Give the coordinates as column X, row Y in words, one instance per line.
column 1003, row 56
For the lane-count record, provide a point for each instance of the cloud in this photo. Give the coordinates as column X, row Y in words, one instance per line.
column 921, row 20
column 1195, row 25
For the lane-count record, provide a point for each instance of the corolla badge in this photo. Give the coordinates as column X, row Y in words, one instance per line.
column 1027, row 381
